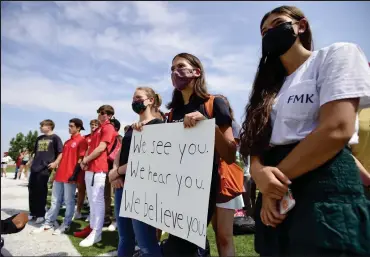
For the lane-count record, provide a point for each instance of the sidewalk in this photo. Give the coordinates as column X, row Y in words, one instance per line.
column 14, row 198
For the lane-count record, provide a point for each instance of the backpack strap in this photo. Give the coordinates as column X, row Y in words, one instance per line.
column 114, row 145
column 209, row 106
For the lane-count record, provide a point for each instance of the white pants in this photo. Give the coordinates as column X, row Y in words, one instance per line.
column 95, row 192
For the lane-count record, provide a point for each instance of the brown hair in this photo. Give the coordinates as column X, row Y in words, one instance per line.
column 94, row 121
column 270, row 76
column 151, row 94
column 228, row 105
column 200, row 88
column 108, row 109
column 48, row 123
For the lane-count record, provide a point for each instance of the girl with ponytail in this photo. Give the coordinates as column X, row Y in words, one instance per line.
column 145, row 103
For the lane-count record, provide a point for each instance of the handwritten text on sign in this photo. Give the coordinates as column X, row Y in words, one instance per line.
column 168, row 178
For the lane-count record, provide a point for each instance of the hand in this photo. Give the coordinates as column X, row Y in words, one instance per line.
column 191, row 119
column 113, row 175
column 139, row 125
column 52, row 165
column 83, row 166
column 83, row 163
column 271, row 182
column 118, row 183
column 270, row 215
column 20, row 220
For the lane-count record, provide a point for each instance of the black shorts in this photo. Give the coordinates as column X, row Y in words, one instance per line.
column 24, row 162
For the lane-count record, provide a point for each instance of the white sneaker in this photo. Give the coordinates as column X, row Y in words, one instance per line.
column 93, row 238
column 30, row 218
column 40, row 220
column 88, row 218
column 77, row 216
column 112, row 227
column 61, row 230
column 43, row 228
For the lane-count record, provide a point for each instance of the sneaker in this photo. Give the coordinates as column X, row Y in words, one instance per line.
column 77, row 216
column 88, row 218
column 40, row 220
column 83, row 233
column 43, row 228
column 92, row 239
column 61, row 230
column 31, row 218
column 107, row 222
column 112, row 227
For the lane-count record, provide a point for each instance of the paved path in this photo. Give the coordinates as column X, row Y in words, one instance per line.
column 14, row 198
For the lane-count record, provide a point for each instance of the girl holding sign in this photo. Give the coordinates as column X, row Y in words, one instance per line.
column 301, row 116
column 188, row 106
column 145, row 103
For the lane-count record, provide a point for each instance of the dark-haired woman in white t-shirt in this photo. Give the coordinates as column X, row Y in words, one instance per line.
column 301, row 116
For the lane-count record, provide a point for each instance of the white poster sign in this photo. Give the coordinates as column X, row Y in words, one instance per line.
column 168, row 178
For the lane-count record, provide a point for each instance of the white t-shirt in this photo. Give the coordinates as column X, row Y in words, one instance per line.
column 6, row 159
column 338, row 71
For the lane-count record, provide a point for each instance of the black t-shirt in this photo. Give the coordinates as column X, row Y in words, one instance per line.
column 220, row 113
column 47, row 149
column 126, row 143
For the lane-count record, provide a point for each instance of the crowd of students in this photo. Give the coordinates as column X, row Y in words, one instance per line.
column 300, row 125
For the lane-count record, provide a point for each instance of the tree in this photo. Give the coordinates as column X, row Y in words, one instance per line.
column 21, row 142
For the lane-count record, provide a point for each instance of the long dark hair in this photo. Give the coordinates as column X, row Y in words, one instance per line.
column 200, row 88
column 270, row 76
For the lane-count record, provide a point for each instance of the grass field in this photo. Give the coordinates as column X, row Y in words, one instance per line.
column 244, row 244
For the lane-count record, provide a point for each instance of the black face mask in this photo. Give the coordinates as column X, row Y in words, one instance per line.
column 138, row 106
column 277, row 41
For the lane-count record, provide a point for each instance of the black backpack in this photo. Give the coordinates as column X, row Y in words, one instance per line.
column 244, row 225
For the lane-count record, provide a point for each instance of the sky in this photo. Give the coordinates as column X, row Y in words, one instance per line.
column 61, row 60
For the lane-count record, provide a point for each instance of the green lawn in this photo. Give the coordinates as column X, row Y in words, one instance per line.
column 244, row 244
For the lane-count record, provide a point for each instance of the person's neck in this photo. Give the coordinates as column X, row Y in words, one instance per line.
column 75, row 134
column 49, row 133
column 294, row 58
column 186, row 93
column 146, row 115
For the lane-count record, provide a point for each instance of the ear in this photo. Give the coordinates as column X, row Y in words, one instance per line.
column 197, row 72
column 302, row 26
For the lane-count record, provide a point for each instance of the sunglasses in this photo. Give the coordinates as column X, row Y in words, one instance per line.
column 101, row 112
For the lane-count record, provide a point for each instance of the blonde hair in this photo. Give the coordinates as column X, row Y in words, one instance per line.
column 150, row 93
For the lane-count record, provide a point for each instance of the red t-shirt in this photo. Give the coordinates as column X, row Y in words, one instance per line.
column 88, row 139
column 105, row 133
column 73, row 149
column 19, row 161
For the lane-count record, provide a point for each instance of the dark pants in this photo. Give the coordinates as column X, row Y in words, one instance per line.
column 108, row 200
column 38, row 192
column 331, row 216
column 175, row 246
column 16, row 171
column 108, row 197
